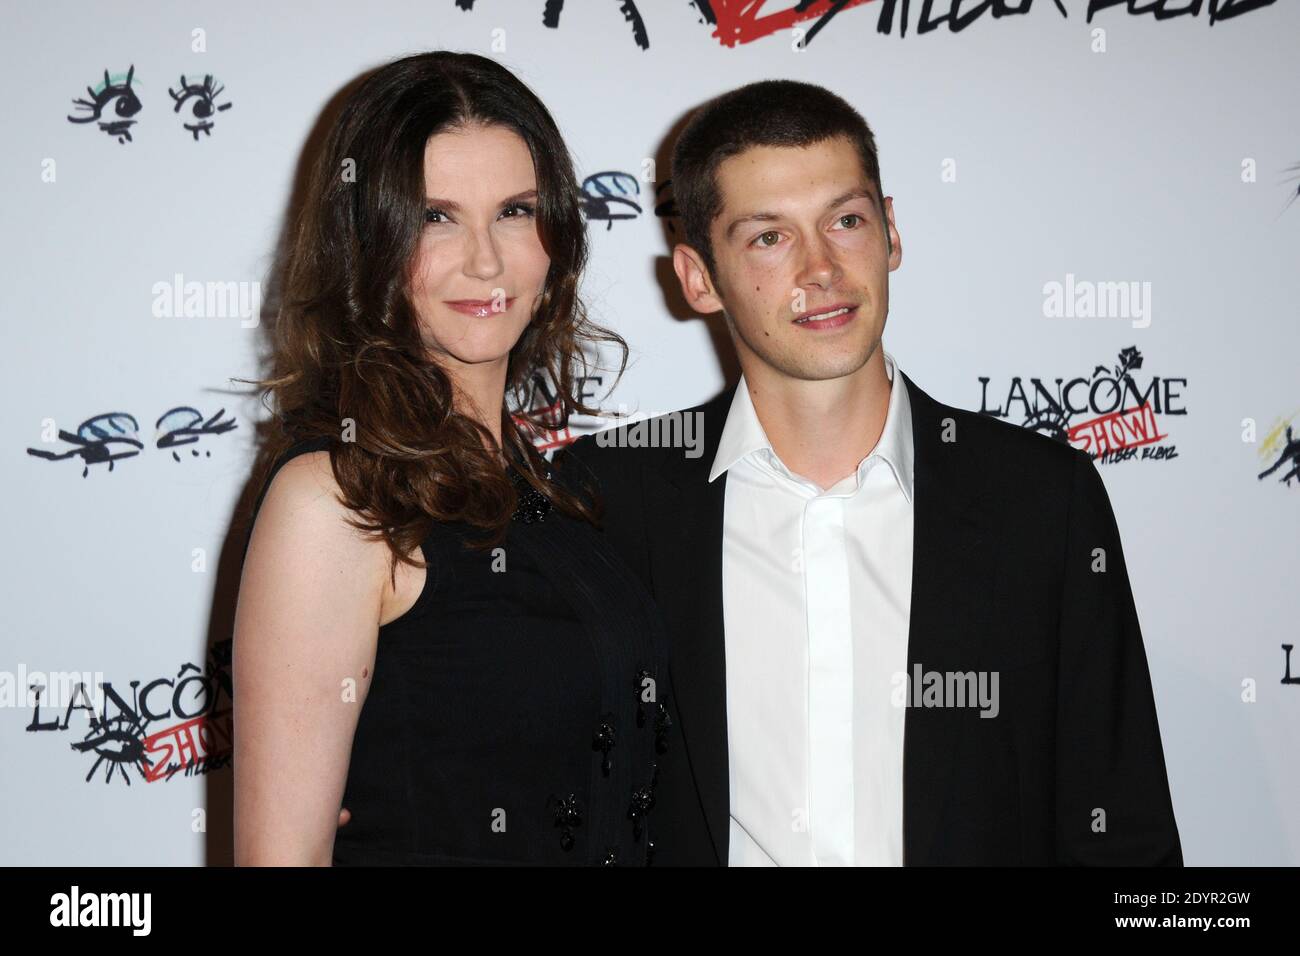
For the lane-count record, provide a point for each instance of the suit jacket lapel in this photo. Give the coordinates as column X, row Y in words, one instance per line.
column 686, row 562
column 952, row 577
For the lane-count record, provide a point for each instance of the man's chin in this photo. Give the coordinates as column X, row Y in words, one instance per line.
column 810, row 361
column 820, row 368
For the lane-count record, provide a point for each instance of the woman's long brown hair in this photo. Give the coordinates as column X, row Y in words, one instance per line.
column 348, row 355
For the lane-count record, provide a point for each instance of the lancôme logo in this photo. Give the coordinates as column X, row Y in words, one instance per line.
column 1107, row 414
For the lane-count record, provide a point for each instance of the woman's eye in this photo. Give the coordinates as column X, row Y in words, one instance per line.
column 513, row 211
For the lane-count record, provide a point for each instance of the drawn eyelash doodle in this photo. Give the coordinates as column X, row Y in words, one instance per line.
column 204, row 107
column 115, row 105
column 113, row 436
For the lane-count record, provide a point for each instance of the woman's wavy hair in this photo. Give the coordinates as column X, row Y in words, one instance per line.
column 348, row 353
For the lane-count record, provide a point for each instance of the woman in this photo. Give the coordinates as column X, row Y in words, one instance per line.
column 431, row 632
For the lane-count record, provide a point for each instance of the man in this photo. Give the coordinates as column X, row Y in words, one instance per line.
column 902, row 632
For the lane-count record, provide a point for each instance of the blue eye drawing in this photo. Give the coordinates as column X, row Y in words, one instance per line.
column 184, row 425
column 125, row 104
column 202, row 100
column 601, row 192
column 104, row 438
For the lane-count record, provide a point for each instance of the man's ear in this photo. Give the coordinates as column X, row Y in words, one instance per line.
column 891, row 236
column 697, row 284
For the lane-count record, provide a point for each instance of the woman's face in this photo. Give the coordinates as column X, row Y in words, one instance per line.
column 479, row 266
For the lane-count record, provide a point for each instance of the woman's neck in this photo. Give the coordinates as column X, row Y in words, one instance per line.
column 480, row 395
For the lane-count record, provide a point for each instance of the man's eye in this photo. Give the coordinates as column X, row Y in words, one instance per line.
column 759, row 239
column 851, row 215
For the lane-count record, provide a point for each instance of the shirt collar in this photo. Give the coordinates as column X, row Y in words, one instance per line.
column 743, row 435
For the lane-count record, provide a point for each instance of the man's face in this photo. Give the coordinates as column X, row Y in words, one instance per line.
column 800, row 234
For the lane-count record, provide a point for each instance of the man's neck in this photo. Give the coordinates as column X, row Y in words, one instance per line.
column 821, row 430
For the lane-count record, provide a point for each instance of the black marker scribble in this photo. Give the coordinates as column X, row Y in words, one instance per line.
column 184, row 425
column 552, row 9
column 602, row 192
column 104, row 438
column 119, row 741
column 126, row 106
column 954, row 18
column 205, row 106
column 1290, row 454
column 825, row 18
column 1167, row 9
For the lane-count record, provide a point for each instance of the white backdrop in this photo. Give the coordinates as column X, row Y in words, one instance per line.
column 1021, row 151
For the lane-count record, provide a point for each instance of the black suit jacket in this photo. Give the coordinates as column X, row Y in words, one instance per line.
column 1006, row 577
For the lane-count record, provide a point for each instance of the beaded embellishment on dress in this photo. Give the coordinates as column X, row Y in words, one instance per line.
column 533, row 505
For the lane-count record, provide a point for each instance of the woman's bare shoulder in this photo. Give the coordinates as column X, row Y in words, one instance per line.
column 303, row 540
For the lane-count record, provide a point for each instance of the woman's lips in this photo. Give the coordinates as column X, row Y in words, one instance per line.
column 478, row 307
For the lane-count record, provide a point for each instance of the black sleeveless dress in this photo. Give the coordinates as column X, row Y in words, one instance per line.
column 517, row 711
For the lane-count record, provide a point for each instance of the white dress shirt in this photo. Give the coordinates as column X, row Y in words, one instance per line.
column 817, row 591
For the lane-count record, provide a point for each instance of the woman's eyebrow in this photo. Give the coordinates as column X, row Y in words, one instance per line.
column 454, row 206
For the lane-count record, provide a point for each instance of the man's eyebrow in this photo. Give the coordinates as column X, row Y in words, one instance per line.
column 452, row 206
column 857, row 193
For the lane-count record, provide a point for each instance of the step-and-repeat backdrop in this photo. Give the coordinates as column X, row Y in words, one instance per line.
column 1097, row 200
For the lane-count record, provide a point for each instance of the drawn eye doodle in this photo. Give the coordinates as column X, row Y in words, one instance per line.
column 104, row 438
column 601, row 192
column 184, row 426
column 118, row 741
column 117, row 91
column 1052, row 422
column 202, row 103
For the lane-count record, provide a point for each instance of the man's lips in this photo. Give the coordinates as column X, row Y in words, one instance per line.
column 830, row 317
column 478, row 307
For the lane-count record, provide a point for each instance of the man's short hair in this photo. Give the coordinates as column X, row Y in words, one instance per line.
column 766, row 113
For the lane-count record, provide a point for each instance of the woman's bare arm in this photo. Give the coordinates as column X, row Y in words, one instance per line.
column 306, row 629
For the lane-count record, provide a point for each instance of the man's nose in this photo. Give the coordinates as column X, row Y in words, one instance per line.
column 819, row 267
